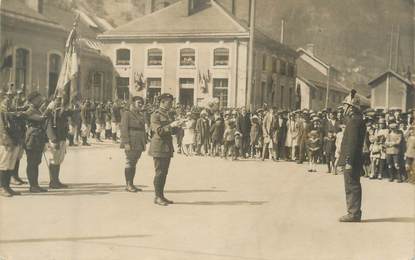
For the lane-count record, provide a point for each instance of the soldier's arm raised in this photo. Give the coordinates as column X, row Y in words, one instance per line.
column 157, row 127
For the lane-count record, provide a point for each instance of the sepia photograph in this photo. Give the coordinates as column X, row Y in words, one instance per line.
column 207, row 129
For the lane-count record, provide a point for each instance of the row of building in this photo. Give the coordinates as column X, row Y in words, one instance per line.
column 194, row 49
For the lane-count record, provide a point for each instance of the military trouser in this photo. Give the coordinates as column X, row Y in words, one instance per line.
column 394, row 167
column 161, row 165
column 34, row 158
column 132, row 157
column 353, row 190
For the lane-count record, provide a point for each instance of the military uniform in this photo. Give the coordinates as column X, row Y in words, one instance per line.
column 133, row 134
column 34, row 145
column 393, row 158
column 86, row 117
column 99, row 120
column 161, row 147
column 57, row 131
column 115, row 120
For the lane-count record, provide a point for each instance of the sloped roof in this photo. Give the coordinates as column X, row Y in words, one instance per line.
column 383, row 75
column 20, row 10
column 212, row 19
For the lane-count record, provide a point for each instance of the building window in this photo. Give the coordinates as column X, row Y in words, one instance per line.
column 153, row 89
column 220, row 91
column 264, row 62
column 123, row 57
column 274, row 65
column 221, row 57
column 97, row 84
column 123, row 84
column 155, row 57
column 22, row 68
column 282, row 97
column 291, row 70
column 53, row 74
column 187, row 57
column 283, row 67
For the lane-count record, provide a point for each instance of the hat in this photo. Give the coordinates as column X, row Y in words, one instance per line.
column 32, row 95
column 393, row 125
column 135, row 98
column 165, row 96
column 352, row 99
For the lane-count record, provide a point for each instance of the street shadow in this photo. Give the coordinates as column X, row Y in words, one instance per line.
column 223, row 203
column 68, row 239
column 193, row 191
column 392, row 220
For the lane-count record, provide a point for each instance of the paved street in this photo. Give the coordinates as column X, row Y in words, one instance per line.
column 224, row 210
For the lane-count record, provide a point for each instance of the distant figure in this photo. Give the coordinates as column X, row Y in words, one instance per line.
column 351, row 157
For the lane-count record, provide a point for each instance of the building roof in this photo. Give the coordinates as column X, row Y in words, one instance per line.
column 170, row 21
column 374, row 82
column 19, row 10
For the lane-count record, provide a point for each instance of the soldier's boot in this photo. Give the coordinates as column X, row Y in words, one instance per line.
column 114, row 137
column 15, row 175
column 163, row 184
column 32, row 176
column 55, row 183
column 71, row 140
column 391, row 174
column 129, row 180
column 98, row 137
column 350, row 218
column 328, row 167
column 84, row 141
column 133, row 171
column 4, row 192
column 7, row 184
column 157, row 188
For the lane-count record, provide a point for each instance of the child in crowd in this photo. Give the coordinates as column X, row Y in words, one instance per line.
column 329, row 151
column 229, row 139
column 189, row 135
column 255, row 135
column 313, row 148
column 375, row 153
column 238, row 144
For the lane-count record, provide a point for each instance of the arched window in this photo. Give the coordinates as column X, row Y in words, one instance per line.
column 54, row 69
column 221, row 57
column 187, row 57
column 123, row 57
column 155, row 57
column 22, row 68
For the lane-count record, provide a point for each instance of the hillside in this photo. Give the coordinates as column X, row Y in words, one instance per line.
column 353, row 35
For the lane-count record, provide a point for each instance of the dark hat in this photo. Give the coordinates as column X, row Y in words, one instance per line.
column 165, row 96
column 32, row 95
column 135, row 98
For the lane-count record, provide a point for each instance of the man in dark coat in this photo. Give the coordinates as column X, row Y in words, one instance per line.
column 161, row 145
column 351, row 157
column 243, row 125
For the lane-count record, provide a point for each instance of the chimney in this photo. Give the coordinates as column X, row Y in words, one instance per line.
column 36, row 5
column 310, row 48
column 149, row 8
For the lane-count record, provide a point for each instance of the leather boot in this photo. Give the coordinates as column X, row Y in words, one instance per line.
column 128, row 180
column 15, row 175
column 32, row 176
column 84, row 141
column 114, row 137
column 54, row 177
column 6, row 185
column 4, row 192
column 133, row 170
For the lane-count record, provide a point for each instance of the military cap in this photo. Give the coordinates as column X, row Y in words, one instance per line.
column 135, row 98
column 32, row 95
column 165, row 96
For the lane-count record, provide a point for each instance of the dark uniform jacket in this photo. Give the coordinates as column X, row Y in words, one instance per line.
column 116, row 113
column 133, row 130
column 35, row 134
column 161, row 145
column 86, row 115
column 351, row 148
column 100, row 114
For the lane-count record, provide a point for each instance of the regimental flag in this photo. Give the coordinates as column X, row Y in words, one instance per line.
column 139, row 81
column 6, row 55
column 67, row 86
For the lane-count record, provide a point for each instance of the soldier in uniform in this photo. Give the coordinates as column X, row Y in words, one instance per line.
column 57, row 131
column 86, row 117
column 351, row 157
column 115, row 119
column 161, row 145
column 10, row 146
column 35, row 139
column 133, row 139
column 99, row 120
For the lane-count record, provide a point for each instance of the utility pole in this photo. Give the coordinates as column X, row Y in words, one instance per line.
column 250, row 83
column 328, row 87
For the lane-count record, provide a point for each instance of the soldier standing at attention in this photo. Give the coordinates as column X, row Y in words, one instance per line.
column 86, row 117
column 161, row 146
column 57, row 130
column 115, row 119
column 351, row 157
column 133, row 139
column 35, row 140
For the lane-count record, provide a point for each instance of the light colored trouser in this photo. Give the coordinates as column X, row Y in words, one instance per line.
column 85, row 130
column 115, row 127
column 9, row 156
column 56, row 156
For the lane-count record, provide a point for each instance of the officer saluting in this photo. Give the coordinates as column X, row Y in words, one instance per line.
column 161, row 146
column 351, row 157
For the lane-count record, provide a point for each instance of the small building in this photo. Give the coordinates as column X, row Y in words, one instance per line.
column 390, row 90
column 314, row 77
column 33, row 36
column 196, row 50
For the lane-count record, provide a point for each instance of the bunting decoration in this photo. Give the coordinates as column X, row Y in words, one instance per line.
column 139, row 81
